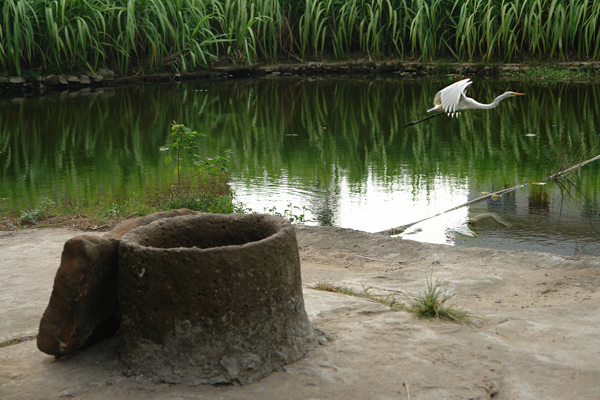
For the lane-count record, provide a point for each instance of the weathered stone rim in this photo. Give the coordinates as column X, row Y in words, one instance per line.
column 278, row 227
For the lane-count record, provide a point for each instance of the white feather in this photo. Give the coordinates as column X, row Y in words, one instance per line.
column 452, row 99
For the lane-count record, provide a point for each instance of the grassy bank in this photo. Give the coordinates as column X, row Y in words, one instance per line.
column 104, row 215
column 135, row 36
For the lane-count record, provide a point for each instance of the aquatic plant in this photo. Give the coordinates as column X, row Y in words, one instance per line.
column 184, row 146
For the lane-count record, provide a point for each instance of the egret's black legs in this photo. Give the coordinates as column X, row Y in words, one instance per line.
column 424, row 119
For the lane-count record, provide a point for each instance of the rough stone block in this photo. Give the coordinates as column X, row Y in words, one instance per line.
column 83, row 304
column 51, row 80
column 84, row 79
column 106, row 73
column 82, row 307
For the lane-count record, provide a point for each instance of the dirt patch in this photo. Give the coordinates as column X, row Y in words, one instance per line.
column 535, row 335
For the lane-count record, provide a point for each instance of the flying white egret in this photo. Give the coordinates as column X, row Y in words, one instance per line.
column 452, row 99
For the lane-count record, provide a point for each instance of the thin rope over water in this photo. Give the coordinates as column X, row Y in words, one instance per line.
column 560, row 174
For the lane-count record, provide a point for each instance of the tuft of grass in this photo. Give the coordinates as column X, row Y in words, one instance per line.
column 432, row 304
column 33, row 215
column 366, row 293
column 200, row 200
column 289, row 213
column 333, row 288
column 15, row 340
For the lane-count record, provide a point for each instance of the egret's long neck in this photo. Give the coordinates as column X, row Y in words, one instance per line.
column 494, row 103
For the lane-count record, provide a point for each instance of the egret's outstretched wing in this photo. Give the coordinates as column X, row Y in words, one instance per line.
column 452, row 99
column 451, row 96
column 437, row 102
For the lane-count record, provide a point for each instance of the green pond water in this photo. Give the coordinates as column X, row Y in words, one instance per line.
column 334, row 146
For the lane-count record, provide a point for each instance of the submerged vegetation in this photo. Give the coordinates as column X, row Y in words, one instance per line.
column 181, row 35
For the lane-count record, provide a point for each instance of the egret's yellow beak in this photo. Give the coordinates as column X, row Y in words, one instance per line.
column 519, row 94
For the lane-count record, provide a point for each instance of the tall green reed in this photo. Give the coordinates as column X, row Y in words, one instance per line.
column 426, row 24
column 182, row 35
column 17, row 34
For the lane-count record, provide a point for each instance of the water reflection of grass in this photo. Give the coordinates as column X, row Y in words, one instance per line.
column 363, row 128
column 311, row 132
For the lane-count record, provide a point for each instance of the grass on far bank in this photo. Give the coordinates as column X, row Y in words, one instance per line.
column 430, row 304
column 550, row 74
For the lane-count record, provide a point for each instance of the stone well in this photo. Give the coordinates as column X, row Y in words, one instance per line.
column 211, row 298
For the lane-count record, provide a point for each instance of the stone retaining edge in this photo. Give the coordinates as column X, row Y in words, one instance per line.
column 14, row 85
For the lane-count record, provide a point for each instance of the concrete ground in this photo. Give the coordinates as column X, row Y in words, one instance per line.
column 534, row 335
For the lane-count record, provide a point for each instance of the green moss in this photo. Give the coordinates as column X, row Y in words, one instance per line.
column 551, row 74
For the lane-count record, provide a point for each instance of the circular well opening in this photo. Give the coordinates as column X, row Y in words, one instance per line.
column 208, row 231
